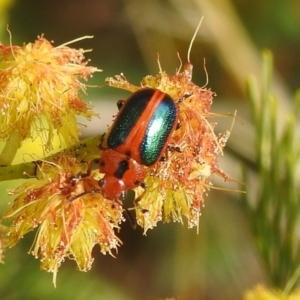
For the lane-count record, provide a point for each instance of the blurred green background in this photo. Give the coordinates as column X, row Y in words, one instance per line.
column 171, row 261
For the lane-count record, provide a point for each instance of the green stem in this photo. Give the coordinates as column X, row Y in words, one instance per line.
column 10, row 149
column 85, row 150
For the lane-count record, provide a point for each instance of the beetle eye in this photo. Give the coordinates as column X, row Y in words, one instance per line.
column 101, row 182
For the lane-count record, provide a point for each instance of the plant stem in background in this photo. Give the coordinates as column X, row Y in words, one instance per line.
column 274, row 209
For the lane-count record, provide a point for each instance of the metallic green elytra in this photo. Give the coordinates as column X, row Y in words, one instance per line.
column 144, row 125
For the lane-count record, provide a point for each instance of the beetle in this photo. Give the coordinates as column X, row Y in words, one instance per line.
column 138, row 137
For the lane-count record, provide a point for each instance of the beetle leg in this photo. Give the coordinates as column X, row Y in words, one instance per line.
column 186, row 95
column 90, row 166
column 83, row 194
column 138, row 199
column 102, row 139
column 120, row 104
column 171, row 148
column 174, row 148
column 130, row 218
column 73, row 180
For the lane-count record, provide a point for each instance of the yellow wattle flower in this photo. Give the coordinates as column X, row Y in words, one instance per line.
column 39, row 93
column 69, row 222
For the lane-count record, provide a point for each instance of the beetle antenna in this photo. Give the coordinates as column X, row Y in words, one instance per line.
column 130, row 218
